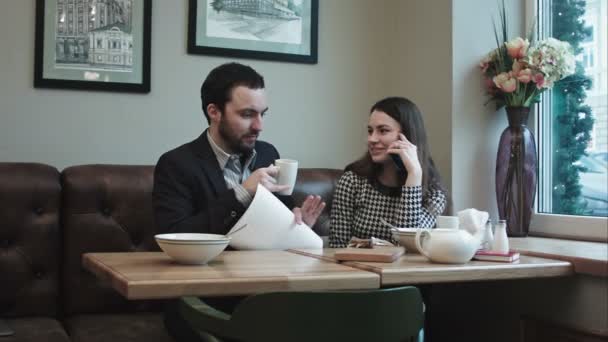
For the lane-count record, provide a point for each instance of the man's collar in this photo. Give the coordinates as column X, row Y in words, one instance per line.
column 223, row 157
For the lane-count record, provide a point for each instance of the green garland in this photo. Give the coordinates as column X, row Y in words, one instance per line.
column 573, row 120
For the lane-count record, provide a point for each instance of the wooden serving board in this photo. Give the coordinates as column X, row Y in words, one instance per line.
column 377, row 254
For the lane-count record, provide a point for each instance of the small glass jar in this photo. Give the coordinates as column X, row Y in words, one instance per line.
column 501, row 241
column 488, row 236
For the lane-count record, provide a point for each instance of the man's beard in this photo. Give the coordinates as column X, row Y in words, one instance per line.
column 234, row 142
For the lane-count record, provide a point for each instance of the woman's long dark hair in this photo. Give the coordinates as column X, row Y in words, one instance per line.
column 409, row 117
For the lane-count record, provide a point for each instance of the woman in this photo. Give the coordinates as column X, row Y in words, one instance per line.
column 375, row 188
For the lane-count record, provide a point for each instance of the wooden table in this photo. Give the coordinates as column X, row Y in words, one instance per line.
column 416, row 269
column 149, row 275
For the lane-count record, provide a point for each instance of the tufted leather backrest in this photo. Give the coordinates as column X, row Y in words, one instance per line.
column 320, row 182
column 106, row 208
column 30, row 198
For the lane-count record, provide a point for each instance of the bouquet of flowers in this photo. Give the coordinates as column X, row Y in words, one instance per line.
column 516, row 73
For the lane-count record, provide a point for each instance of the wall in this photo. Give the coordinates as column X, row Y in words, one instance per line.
column 420, row 55
column 317, row 112
column 435, row 55
column 475, row 127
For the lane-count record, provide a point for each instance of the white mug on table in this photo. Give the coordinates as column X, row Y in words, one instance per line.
column 288, row 172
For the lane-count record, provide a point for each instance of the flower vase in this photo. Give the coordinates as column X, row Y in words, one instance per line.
column 516, row 172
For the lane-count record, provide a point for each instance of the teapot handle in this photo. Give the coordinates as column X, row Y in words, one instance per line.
column 419, row 234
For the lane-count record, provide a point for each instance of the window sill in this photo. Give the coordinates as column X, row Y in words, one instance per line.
column 590, row 258
column 570, row 227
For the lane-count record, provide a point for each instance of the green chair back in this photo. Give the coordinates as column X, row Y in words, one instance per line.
column 376, row 315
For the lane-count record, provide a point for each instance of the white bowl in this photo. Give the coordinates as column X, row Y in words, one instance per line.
column 405, row 230
column 192, row 248
column 406, row 237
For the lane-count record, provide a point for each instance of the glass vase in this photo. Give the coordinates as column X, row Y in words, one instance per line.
column 516, row 172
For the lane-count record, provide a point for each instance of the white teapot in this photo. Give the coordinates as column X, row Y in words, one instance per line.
column 450, row 246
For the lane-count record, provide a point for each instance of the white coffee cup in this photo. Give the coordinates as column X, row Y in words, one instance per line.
column 288, row 172
column 447, row 222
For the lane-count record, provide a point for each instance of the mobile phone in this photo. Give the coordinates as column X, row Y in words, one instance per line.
column 5, row 330
column 398, row 162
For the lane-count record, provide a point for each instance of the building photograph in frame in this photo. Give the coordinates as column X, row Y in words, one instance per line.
column 93, row 44
column 283, row 30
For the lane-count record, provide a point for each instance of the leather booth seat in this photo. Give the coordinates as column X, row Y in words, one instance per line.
column 30, row 252
column 48, row 219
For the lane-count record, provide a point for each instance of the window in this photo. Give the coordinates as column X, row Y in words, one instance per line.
column 572, row 125
column 60, row 19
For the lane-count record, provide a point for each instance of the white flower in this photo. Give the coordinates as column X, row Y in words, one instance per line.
column 553, row 58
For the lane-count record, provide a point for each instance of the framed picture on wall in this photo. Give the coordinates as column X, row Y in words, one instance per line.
column 280, row 30
column 93, row 45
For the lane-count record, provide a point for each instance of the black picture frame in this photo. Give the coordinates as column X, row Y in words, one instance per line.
column 230, row 41
column 93, row 45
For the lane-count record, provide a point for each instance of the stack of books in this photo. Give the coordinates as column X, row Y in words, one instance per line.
column 495, row 256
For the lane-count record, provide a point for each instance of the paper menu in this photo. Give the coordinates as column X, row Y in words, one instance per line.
column 271, row 225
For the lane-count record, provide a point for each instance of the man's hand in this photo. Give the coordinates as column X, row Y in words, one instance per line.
column 309, row 212
column 264, row 176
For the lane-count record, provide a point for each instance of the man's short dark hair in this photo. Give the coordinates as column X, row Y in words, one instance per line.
column 217, row 87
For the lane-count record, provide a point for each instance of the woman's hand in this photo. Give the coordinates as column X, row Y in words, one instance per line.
column 408, row 153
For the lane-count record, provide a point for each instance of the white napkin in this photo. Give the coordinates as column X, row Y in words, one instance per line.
column 271, row 225
column 472, row 220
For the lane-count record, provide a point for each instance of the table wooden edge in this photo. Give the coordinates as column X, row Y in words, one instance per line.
column 313, row 255
column 238, row 287
column 105, row 273
column 421, row 275
column 175, row 289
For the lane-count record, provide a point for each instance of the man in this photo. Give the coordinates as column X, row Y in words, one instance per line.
column 206, row 185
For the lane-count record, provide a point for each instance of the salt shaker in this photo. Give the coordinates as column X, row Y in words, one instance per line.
column 488, row 236
column 501, row 242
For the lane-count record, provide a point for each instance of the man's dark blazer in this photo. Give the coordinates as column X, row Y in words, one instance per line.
column 190, row 194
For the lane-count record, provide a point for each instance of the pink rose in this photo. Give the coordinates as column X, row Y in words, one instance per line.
column 524, row 76
column 485, row 63
column 509, row 85
column 489, row 84
column 516, row 67
column 505, row 82
column 539, row 79
column 517, row 47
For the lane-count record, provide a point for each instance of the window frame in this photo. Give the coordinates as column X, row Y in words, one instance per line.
column 554, row 225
